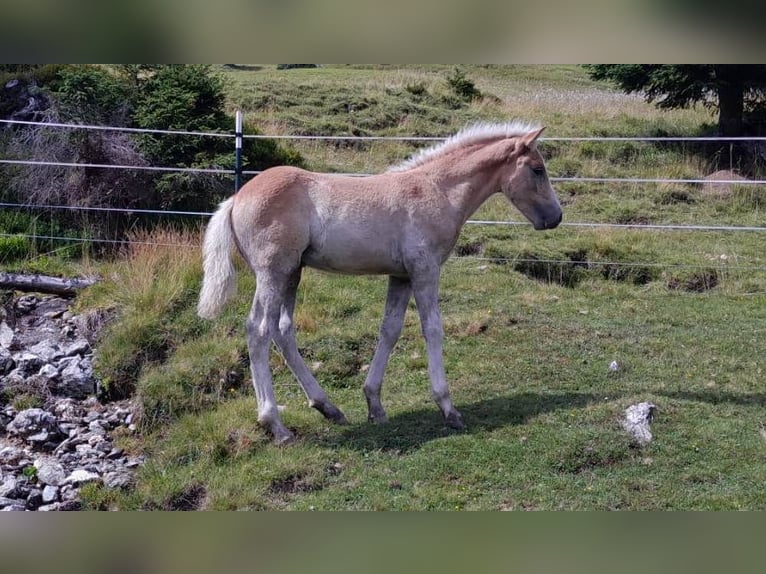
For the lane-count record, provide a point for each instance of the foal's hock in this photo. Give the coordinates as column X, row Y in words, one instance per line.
column 402, row 223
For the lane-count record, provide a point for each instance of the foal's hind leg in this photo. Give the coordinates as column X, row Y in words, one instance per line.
column 284, row 337
column 261, row 324
column 399, row 292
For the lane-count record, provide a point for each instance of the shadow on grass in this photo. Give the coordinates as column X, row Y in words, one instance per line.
column 408, row 431
column 718, row 397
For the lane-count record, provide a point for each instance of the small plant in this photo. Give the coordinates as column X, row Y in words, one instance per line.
column 462, row 86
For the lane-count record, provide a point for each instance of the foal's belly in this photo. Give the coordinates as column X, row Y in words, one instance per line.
column 356, row 256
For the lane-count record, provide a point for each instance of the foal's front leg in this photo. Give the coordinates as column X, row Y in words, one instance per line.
column 426, row 289
column 399, row 293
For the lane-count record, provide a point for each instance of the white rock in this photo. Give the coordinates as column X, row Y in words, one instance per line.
column 50, row 472
column 48, row 371
column 50, row 494
column 7, row 335
column 614, row 366
column 637, row 420
column 80, row 477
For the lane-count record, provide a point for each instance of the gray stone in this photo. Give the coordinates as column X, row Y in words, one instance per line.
column 50, row 494
column 39, row 438
column 34, row 499
column 118, row 479
column 9, row 487
column 47, row 351
column 6, row 361
column 10, row 505
column 75, row 382
column 48, row 371
column 79, row 347
column 32, row 421
column 7, row 336
column 80, row 477
column 50, row 472
column 27, row 363
column 11, row 455
column 637, row 420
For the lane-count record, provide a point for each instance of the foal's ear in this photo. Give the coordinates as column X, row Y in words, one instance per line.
column 528, row 140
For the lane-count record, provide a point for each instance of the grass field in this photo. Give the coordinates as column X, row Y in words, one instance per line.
column 532, row 322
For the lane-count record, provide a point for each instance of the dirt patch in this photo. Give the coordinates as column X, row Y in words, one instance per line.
column 472, row 248
column 293, row 484
column 714, row 187
column 591, row 457
column 696, row 283
column 193, row 497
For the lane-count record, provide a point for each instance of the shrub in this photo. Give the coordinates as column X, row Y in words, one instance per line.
column 462, row 86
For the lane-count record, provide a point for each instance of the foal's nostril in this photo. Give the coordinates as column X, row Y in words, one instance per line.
column 553, row 223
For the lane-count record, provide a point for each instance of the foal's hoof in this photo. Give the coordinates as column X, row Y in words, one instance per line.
column 378, row 418
column 283, row 437
column 331, row 412
column 454, row 420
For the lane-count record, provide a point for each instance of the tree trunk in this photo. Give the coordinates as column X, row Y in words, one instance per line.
column 43, row 283
column 731, row 102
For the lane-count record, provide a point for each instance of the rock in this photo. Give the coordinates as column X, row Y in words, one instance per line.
column 34, row 499
column 27, row 363
column 119, row 479
column 10, row 504
column 47, row 455
column 9, row 487
column 80, row 477
column 48, row 371
column 79, row 347
column 6, row 361
column 50, row 472
column 637, row 420
column 50, row 494
column 32, row 421
column 11, row 455
column 47, row 351
column 7, row 336
column 76, row 382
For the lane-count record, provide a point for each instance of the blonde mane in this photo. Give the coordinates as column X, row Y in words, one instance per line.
column 474, row 134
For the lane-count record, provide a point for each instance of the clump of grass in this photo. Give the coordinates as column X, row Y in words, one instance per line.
column 152, row 288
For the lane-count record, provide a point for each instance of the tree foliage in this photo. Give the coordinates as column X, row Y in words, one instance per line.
column 736, row 90
column 163, row 97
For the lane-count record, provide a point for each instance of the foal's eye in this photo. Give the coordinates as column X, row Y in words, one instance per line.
column 539, row 171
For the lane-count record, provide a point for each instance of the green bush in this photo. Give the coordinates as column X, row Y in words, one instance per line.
column 462, row 86
column 13, row 248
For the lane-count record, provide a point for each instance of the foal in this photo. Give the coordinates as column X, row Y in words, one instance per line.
column 402, row 223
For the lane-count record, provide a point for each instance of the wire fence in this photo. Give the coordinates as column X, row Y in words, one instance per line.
column 408, row 139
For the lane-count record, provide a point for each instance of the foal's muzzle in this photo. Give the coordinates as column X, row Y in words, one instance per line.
column 549, row 223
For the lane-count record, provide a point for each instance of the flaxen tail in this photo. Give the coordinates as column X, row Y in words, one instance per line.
column 220, row 280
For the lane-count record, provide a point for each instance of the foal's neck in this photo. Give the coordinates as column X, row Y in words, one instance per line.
column 469, row 180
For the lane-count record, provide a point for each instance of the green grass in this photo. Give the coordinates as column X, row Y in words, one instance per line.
column 532, row 321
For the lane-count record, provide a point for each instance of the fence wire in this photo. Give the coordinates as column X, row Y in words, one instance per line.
column 414, row 139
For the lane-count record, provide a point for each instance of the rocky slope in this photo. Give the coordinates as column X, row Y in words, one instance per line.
column 55, row 435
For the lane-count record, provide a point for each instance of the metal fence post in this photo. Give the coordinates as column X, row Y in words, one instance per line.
column 238, row 151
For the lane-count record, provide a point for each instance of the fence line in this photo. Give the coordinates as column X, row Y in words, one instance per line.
column 234, row 172
column 586, row 224
column 222, row 171
column 378, row 138
column 455, row 258
column 113, row 166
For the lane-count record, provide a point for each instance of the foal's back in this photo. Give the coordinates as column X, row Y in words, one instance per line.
column 336, row 223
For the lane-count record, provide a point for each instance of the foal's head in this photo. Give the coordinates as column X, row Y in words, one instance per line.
column 526, row 184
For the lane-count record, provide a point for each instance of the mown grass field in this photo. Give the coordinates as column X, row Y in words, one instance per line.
column 532, row 321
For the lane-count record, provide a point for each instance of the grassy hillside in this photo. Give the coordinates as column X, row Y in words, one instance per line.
column 532, row 321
